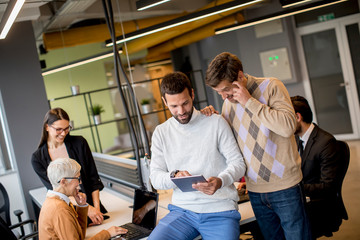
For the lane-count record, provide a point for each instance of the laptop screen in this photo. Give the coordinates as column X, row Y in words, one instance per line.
column 145, row 209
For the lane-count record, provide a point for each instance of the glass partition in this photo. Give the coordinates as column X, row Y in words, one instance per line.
column 6, row 152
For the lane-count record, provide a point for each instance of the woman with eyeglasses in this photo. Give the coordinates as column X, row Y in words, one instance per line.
column 56, row 142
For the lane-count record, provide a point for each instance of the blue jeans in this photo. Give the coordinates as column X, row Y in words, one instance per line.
column 181, row 224
column 282, row 214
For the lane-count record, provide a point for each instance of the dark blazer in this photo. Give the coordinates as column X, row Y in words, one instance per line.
column 320, row 166
column 79, row 150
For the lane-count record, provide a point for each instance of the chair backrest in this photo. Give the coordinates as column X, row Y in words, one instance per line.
column 344, row 151
column 5, row 231
column 4, row 205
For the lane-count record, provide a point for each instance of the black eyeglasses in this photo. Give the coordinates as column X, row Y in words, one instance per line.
column 60, row 130
column 78, row 178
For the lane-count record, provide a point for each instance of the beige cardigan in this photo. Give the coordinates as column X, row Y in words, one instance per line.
column 264, row 129
column 58, row 220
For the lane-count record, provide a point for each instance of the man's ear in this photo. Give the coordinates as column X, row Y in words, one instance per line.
column 241, row 75
column 298, row 117
column 192, row 94
column 164, row 100
column 242, row 79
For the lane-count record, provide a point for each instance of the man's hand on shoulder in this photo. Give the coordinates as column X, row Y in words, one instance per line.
column 209, row 187
column 209, row 110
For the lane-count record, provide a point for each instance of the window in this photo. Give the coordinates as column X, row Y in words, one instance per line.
column 6, row 153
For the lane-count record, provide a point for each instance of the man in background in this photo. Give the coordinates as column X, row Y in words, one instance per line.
column 320, row 166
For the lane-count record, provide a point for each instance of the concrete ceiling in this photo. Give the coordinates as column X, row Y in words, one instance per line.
column 55, row 15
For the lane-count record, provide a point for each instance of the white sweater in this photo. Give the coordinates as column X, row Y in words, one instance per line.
column 204, row 146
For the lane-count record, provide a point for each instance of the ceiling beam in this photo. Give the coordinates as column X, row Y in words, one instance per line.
column 100, row 33
column 193, row 36
column 97, row 33
column 165, row 35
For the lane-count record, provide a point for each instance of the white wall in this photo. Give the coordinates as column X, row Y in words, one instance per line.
column 24, row 99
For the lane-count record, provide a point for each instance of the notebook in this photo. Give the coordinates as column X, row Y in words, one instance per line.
column 142, row 228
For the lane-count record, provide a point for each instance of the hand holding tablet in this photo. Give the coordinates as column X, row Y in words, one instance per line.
column 185, row 183
column 209, row 187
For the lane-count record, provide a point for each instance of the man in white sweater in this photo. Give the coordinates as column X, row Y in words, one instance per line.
column 187, row 144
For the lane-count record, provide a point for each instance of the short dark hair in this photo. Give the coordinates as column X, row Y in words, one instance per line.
column 302, row 106
column 52, row 116
column 225, row 66
column 174, row 83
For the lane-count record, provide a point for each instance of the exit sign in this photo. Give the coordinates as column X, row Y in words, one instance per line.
column 326, row 17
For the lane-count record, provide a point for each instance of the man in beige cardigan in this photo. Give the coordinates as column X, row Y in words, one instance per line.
column 58, row 218
column 263, row 120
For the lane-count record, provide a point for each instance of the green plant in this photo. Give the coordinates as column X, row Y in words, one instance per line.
column 96, row 109
column 145, row 101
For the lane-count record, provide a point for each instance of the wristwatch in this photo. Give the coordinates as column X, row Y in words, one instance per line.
column 173, row 173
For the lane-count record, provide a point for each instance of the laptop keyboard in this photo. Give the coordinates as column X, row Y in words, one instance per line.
column 133, row 233
column 243, row 197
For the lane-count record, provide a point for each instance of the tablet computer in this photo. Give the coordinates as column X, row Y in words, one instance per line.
column 185, row 183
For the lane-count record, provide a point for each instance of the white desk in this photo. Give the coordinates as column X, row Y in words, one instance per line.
column 119, row 210
column 246, row 212
column 38, row 195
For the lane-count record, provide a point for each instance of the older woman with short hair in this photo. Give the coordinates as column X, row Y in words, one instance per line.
column 58, row 218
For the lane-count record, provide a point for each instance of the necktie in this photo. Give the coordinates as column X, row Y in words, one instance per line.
column 301, row 147
column 73, row 208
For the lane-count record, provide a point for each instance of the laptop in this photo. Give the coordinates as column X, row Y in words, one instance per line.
column 141, row 227
column 243, row 196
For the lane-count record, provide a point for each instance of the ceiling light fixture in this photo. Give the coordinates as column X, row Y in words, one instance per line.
column 11, row 12
column 145, row 4
column 184, row 19
column 78, row 63
column 282, row 14
column 158, row 63
column 290, row 3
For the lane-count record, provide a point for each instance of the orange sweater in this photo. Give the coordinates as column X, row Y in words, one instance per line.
column 58, row 220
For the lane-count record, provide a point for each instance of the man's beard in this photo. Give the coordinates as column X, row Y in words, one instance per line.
column 187, row 114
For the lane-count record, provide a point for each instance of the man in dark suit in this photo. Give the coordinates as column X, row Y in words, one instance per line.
column 320, row 167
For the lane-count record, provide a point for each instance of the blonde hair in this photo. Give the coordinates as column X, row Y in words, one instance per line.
column 61, row 168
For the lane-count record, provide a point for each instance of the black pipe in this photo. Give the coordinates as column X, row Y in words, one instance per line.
column 110, row 24
column 141, row 121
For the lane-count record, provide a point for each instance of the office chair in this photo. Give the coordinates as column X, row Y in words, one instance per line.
column 344, row 151
column 7, row 233
column 4, row 205
column 5, row 211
